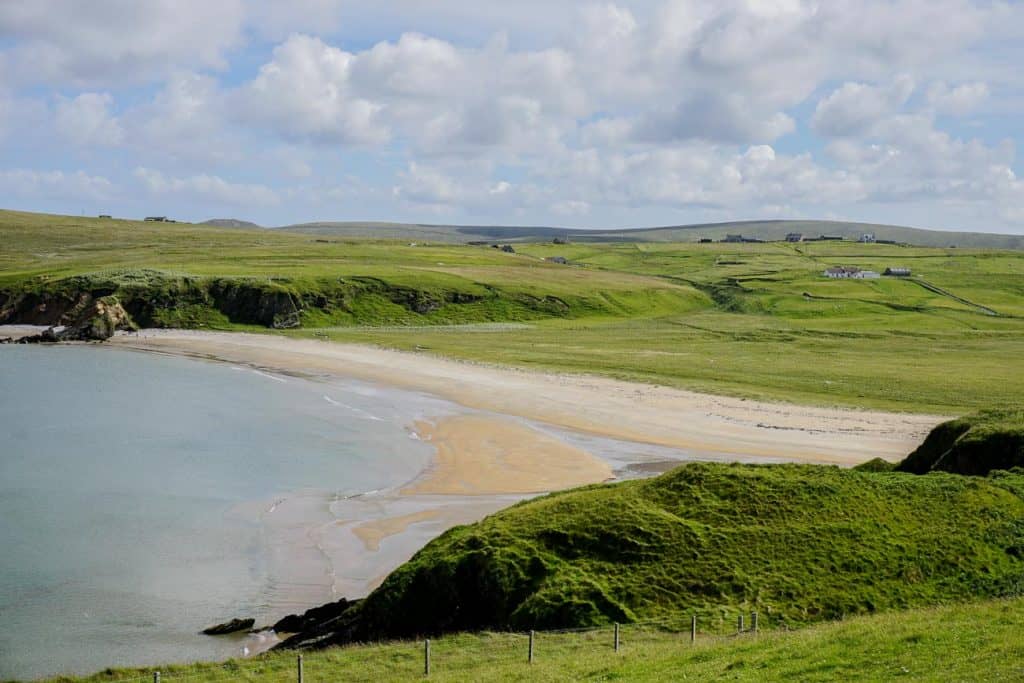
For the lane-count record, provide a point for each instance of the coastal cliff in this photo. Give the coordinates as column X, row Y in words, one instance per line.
column 158, row 299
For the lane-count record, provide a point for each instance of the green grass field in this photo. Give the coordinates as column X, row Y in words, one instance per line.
column 754, row 320
column 972, row 642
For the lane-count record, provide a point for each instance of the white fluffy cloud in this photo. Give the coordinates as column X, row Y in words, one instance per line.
column 206, row 188
column 87, row 120
column 958, row 100
column 855, row 108
column 306, row 93
column 116, row 41
column 77, row 185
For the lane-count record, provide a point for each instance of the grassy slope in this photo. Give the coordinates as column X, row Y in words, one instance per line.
column 974, row 444
column 971, row 642
column 720, row 317
column 798, row 544
column 884, row 343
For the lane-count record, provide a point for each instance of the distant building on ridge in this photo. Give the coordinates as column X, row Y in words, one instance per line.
column 849, row 272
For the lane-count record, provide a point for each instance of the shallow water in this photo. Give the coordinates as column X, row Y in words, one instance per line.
column 138, row 494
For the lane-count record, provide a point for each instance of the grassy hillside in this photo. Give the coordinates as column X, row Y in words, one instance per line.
column 183, row 275
column 972, row 642
column 775, row 328
column 764, row 230
column 753, row 320
column 974, row 444
column 798, row 544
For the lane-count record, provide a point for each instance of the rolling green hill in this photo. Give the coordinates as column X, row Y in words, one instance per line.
column 798, row 544
column 762, row 230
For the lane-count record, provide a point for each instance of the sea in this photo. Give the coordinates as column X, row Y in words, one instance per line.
column 138, row 492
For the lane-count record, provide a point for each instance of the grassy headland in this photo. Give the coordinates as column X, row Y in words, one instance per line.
column 798, row 544
column 755, row 320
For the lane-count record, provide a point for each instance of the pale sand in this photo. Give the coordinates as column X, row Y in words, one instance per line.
column 373, row 532
column 479, row 455
column 697, row 423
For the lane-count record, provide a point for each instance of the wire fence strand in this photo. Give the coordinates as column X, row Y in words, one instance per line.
column 463, row 654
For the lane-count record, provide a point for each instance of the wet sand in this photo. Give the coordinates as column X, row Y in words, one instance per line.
column 479, row 455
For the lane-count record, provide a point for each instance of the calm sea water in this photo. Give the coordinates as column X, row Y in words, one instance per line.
column 131, row 487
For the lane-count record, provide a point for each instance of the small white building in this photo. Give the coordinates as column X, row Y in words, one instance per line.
column 846, row 272
column 840, row 272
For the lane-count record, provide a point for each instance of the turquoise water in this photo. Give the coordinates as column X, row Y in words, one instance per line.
column 128, row 483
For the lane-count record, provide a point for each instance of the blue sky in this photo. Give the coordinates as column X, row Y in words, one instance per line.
column 588, row 114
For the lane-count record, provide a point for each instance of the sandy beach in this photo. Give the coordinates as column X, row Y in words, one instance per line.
column 695, row 422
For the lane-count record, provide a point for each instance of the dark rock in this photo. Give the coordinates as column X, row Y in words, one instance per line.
column 233, row 626
column 308, row 620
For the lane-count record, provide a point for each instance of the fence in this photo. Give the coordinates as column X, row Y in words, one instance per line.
column 490, row 655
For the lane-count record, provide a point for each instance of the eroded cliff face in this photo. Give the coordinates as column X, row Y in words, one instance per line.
column 152, row 298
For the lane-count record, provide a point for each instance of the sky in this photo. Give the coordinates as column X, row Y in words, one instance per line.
column 580, row 114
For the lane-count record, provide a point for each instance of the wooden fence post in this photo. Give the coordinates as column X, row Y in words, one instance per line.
column 426, row 657
column 530, row 656
column 616, row 636
column 156, row 677
column 739, row 624
column 753, row 622
column 693, row 628
column 298, row 667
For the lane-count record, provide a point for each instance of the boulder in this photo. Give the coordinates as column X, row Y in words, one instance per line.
column 299, row 623
column 96, row 321
column 233, row 626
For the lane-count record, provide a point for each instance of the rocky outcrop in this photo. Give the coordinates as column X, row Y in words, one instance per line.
column 233, row 626
column 91, row 320
column 310, row 619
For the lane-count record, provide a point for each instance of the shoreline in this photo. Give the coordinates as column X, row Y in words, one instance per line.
column 499, row 436
column 700, row 424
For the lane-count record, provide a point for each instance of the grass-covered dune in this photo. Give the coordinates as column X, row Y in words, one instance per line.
column 798, row 544
column 974, row 444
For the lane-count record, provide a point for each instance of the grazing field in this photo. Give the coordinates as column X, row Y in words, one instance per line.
column 754, row 320
column 971, row 642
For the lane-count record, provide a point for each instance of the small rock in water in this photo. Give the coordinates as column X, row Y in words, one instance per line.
column 233, row 626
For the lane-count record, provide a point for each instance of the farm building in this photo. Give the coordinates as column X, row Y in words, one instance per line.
column 867, row 238
column 844, row 272
column 733, row 238
column 795, row 237
column 898, row 272
column 157, row 219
